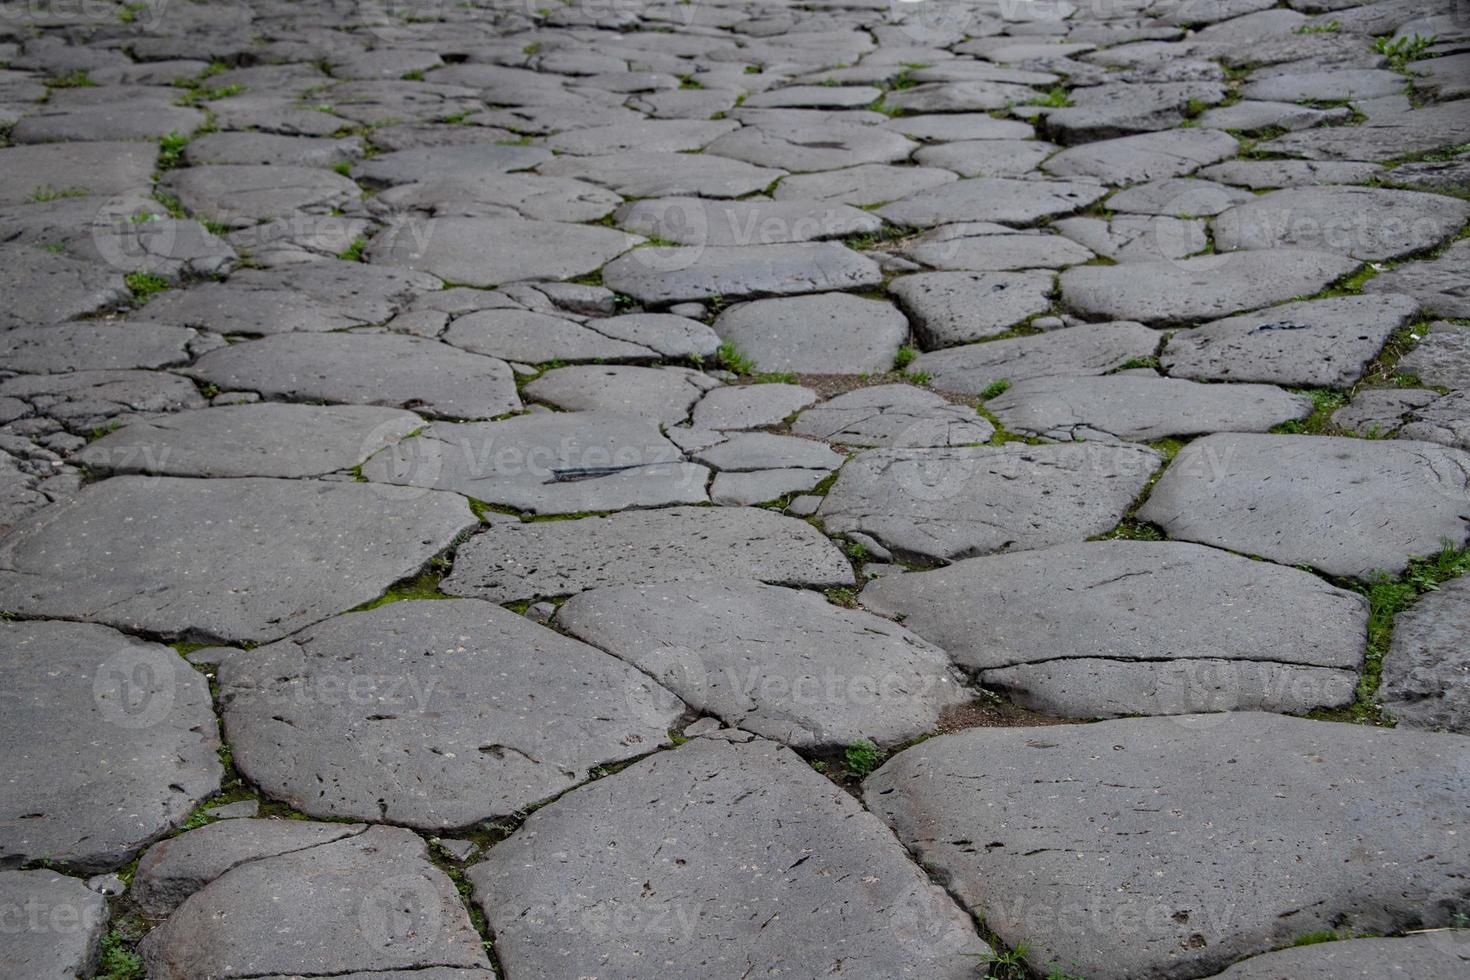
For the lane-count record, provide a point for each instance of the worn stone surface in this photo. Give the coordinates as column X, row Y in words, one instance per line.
column 664, row 394
column 982, row 247
column 1110, row 628
column 678, row 544
column 826, row 333
column 1434, row 956
column 949, row 308
column 1441, row 285
column 40, row 287
column 461, row 711
column 1005, row 200
column 94, row 345
column 660, row 276
column 1441, row 357
column 1426, row 673
column 491, row 251
column 1088, row 349
column 56, row 928
column 1152, row 156
column 1378, row 412
column 1348, row 507
column 897, row 416
column 750, row 406
column 286, row 554
column 941, row 504
column 1367, row 223
column 717, row 815
column 110, row 743
column 1278, row 801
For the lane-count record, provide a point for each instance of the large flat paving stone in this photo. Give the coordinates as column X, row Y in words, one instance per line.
column 249, row 559
column 949, row 308
column 782, row 663
column 1141, row 408
column 987, row 157
column 983, row 247
column 1088, row 349
column 1441, row 955
column 1348, row 507
column 1445, row 421
column 1110, row 628
column 368, row 904
column 1368, row 223
column 1319, row 343
column 433, row 162
column 454, row 711
column 898, row 416
column 863, row 185
column 529, row 196
column 1151, row 156
column 110, row 743
column 84, row 400
column 695, row 221
column 660, row 276
column 664, row 394
column 1009, row 201
column 749, row 406
column 1214, row 837
column 1426, row 673
column 826, row 333
column 490, row 251
column 240, row 196
column 390, row 370
column 640, row 174
column 547, row 463
column 250, row 440
column 1441, row 357
column 94, row 345
column 941, row 504
column 514, row 561
column 1200, row 288
column 752, row 823
column 806, row 145
column 39, row 287
column 95, row 169
column 56, row 926
column 1394, row 135
column 1441, row 285
column 536, row 338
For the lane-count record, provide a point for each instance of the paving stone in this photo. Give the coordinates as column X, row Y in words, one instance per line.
column 649, row 136
column 898, row 416
column 810, row 145
column 39, row 287
column 367, row 905
column 1426, row 673
column 1378, row 412
column 664, row 333
column 1178, row 197
column 674, row 275
column 1441, row 285
column 952, row 126
column 261, row 149
column 455, row 712
column 257, row 575
column 433, row 162
column 678, row 544
column 1293, row 795
column 1088, row 349
column 547, row 463
column 1332, row 85
column 863, row 185
column 826, row 333
column 1325, row 343
column 1368, row 223
column 1141, row 409
column 1441, row 176
column 110, row 743
column 663, row 845
column 1110, row 628
column 249, row 440
column 493, row 195
column 123, row 120
column 85, row 400
column 1423, row 130
column 98, row 170
column 172, row 870
column 366, row 369
column 985, row 247
column 1177, row 292
column 536, row 338
column 1256, row 116
column 748, row 451
column 57, row 926
column 739, row 489
column 94, row 345
column 243, row 195
column 942, row 504
column 1112, row 110
column 1128, row 238
column 639, row 174
column 1436, row 956
column 1348, row 507
column 490, row 251
column 693, row 221
column 949, row 308
column 1151, row 156
column 1266, row 174
column 1441, row 357
column 987, row 157
column 1005, row 200
column 750, row 406
column 665, row 394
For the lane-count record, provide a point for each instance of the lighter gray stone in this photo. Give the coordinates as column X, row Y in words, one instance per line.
column 666, row 394
column 694, row 221
column 1445, row 421
column 1151, row 156
column 678, row 544
column 262, row 149
column 434, row 162
column 639, row 174
column 747, row 451
column 1348, row 507
column 84, row 400
column 1113, row 109
column 490, row 251
column 1330, row 85
column 98, row 170
column 740, row 489
column 56, row 926
column 750, row 406
column 984, row 247
column 827, row 333
column 1378, row 412
column 665, row 333
column 1426, row 674
column 898, row 416
column 1368, row 223
column 1087, row 349
column 673, row 275
column 39, row 287
column 866, row 184
column 1006, row 200
column 94, row 345
column 802, row 147
column 493, row 195
column 1178, row 197
column 1133, row 238
column 949, row 308
column 1437, row 955
column 987, row 157
column 649, row 136
column 242, row 195
column 1441, row 285
column 535, row 338
column 1433, row 127
column 1264, row 174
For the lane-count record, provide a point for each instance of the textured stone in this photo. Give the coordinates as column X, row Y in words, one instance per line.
column 57, row 924
column 897, row 416
column 492, row 195
column 1426, row 673
column 243, row 195
column 110, row 743
column 247, row 559
column 721, row 816
column 808, row 145
column 863, row 185
column 491, row 251
column 1434, row 127
column 39, row 287
column 430, row 163
column 1171, row 808
column 1266, row 174
column 1438, row 955
column 1152, row 156
column 1378, row 412
column 1002, row 199
column 750, row 406
column 1110, row 628
column 536, row 338
column 436, row 714
column 1111, row 110
column 987, row 157
column 1441, row 285
column 665, row 394
column 1348, row 507
column 84, row 400
column 949, row 308
column 639, row 174
column 984, row 247
column 94, row 345
column 1445, row 421
column 942, row 504
column 680, row 544
column 1088, row 349
column 93, row 169
column 826, row 333
column 664, row 333
column 693, row 221
column 1368, row 223
column 659, row 276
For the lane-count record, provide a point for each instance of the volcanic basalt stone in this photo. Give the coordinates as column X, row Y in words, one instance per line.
column 1005, row 200
column 660, row 276
column 1437, row 955
column 898, row 416
column 826, row 333
column 665, row 394
column 1084, row 350
column 56, row 926
column 1368, row 223
column 1426, row 673
column 949, row 308
column 490, row 251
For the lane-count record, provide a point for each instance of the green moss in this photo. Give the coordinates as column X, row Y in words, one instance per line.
column 118, row 961
column 1055, row 99
column 729, row 357
column 144, row 285
column 862, row 758
column 846, row 598
column 354, row 252
column 904, row 357
column 1325, row 401
column 47, row 193
column 171, row 150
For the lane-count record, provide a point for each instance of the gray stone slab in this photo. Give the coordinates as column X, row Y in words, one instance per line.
column 782, row 663
column 37, row 286
column 1441, row 285
column 721, row 816
column 1378, row 412
column 1330, row 85
column 291, row 552
column 1348, row 507
column 649, row 136
column 949, row 308
column 1439, row 955
column 639, row 174
column 110, row 743
column 432, row 162
column 434, row 713
column 1441, row 357
column 680, row 544
column 748, row 451
column 1151, row 156
column 370, row 903
column 1141, row 408
column 249, row 440
column 750, row 406
column 942, row 504
column 172, row 870
column 366, row 369
column 953, row 126
column 1368, row 223
column 806, row 146
column 1110, row 628
column 1087, row 349
column 1010, row 201
column 1267, row 174
column 695, row 221
column 826, row 333
column 1256, row 117
column 56, row 928
column 665, row 333
column 739, row 489
column 1320, row 343
column 1130, row 238
column 666, row 394
column 262, row 149
column 1430, row 175
column 536, row 338
column 898, row 416
column 495, row 195
column 987, row 157
column 1115, row 109
column 490, row 251
column 660, row 276
column 241, row 195
column 1178, row 197
column 1426, row 673
column 547, row 463
column 1178, row 292
column 1433, row 127
column 85, row 400
column 98, row 170
column 1217, row 836
column 983, row 247
column 94, row 345
column 865, row 184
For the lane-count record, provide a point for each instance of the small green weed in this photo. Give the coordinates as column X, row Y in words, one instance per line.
column 862, row 758
column 144, row 285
